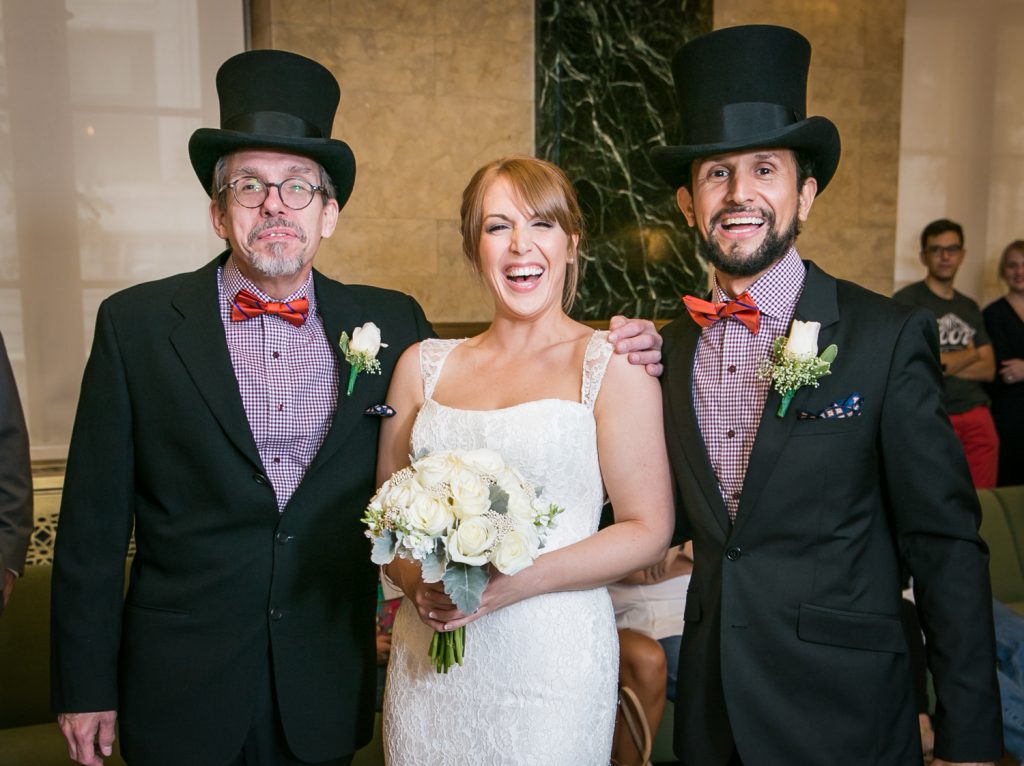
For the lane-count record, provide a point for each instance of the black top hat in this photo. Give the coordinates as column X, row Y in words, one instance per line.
column 742, row 88
column 275, row 100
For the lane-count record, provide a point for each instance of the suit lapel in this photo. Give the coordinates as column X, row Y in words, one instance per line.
column 200, row 344
column 818, row 304
column 686, row 427
column 340, row 311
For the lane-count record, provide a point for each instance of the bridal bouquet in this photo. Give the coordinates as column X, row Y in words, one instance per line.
column 456, row 512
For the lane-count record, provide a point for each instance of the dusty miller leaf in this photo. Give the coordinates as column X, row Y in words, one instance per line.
column 465, row 585
column 499, row 499
column 432, row 568
column 383, row 549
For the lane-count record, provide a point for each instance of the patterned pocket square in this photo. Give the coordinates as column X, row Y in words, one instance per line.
column 850, row 407
column 379, row 410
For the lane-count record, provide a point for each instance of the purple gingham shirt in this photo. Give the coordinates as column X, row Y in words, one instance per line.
column 288, row 379
column 728, row 396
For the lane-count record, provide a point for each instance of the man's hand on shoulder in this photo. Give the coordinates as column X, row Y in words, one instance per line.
column 89, row 735
column 940, row 762
column 639, row 339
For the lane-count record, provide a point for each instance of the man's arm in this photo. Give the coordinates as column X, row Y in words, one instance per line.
column 953, row 362
column 982, row 369
column 15, row 480
column 92, row 539
column 936, row 514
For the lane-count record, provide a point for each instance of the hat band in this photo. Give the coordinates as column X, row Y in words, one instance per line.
column 273, row 124
column 739, row 122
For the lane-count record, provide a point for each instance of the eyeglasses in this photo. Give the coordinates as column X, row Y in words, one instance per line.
column 251, row 192
column 947, row 249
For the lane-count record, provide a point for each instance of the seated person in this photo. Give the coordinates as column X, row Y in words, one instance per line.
column 649, row 608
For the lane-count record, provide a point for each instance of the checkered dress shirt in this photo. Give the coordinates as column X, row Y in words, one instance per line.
column 288, row 379
column 727, row 394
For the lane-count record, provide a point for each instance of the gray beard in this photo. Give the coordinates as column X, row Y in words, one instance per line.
column 274, row 262
column 772, row 248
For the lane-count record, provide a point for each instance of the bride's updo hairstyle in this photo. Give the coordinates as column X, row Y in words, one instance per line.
column 538, row 186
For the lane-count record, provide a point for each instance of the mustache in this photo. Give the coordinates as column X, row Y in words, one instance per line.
column 767, row 215
column 275, row 223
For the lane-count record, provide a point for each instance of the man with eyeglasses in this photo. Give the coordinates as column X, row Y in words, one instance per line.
column 964, row 348
column 218, row 424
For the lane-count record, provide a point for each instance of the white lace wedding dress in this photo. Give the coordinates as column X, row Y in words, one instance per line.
column 539, row 683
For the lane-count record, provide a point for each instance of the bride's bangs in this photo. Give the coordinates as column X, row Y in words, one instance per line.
column 543, row 189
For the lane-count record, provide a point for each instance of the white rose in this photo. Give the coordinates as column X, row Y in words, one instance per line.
column 803, row 339
column 436, row 468
column 520, row 505
column 429, row 515
column 469, row 542
column 516, row 551
column 366, row 340
column 400, row 496
column 484, row 461
column 470, row 496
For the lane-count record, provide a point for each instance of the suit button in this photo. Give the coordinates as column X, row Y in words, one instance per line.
column 276, row 614
column 734, row 554
column 283, row 538
column 260, row 479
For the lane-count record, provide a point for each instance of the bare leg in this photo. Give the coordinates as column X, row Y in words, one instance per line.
column 642, row 667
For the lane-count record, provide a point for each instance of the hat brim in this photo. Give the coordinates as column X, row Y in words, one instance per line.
column 207, row 145
column 816, row 136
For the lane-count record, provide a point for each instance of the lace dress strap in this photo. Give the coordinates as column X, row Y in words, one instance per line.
column 433, row 352
column 595, row 362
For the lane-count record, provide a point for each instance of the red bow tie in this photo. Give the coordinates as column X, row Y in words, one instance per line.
column 742, row 308
column 246, row 305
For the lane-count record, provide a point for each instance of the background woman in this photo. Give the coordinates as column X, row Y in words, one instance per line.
column 539, row 681
column 1004, row 320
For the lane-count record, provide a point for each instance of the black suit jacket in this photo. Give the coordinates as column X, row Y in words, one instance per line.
column 793, row 650
column 222, row 586
column 15, row 474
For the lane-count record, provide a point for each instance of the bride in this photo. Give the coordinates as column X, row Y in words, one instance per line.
column 539, row 682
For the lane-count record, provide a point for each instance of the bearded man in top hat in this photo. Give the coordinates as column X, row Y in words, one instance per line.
column 801, row 515
column 211, row 424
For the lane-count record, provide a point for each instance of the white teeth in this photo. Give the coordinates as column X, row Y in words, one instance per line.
column 741, row 220
column 524, row 271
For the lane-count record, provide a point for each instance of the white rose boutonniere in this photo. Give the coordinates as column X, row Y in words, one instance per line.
column 795, row 362
column 361, row 351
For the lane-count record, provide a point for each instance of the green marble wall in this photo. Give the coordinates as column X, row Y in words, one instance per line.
column 604, row 98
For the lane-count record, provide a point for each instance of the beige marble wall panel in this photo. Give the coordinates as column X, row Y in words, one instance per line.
column 430, row 91
column 409, row 17
column 372, row 61
column 435, row 145
column 406, row 246
column 301, row 11
column 855, row 80
column 467, row 66
column 504, row 21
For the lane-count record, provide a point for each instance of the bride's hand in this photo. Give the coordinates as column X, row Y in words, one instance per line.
column 432, row 604
column 501, row 591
